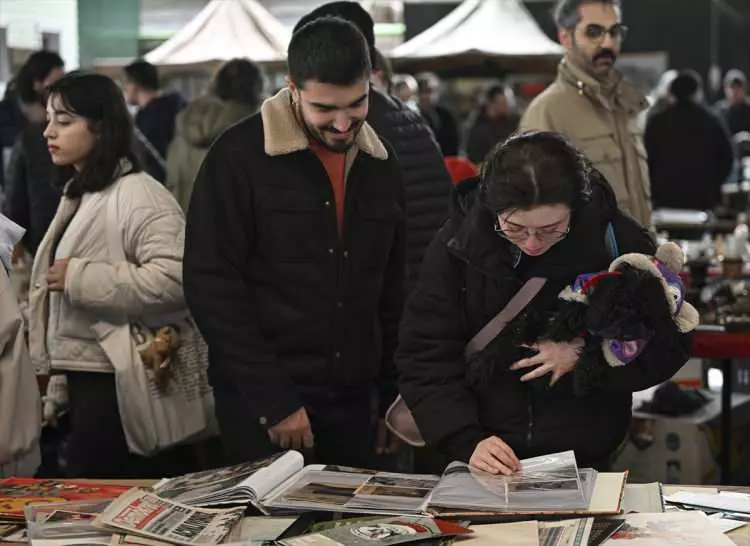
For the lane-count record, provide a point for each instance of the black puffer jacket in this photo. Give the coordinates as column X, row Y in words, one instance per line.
column 426, row 180
column 32, row 198
column 469, row 275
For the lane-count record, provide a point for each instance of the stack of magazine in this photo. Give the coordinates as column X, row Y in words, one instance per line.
column 551, row 484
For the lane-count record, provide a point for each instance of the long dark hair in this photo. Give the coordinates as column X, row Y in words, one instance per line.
column 100, row 102
column 536, row 168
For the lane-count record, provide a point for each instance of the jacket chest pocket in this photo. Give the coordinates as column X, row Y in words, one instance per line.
column 378, row 221
column 291, row 226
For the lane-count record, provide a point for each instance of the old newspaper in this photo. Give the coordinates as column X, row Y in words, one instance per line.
column 139, row 512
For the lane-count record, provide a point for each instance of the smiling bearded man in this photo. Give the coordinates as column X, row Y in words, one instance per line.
column 294, row 260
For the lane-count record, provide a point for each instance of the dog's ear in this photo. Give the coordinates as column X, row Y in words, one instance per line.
column 629, row 306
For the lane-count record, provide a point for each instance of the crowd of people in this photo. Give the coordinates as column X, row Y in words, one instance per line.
column 317, row 241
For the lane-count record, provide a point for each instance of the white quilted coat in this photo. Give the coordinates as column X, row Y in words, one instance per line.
column 149, row 283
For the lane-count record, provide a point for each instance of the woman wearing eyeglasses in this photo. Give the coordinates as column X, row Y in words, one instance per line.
column 539, row 210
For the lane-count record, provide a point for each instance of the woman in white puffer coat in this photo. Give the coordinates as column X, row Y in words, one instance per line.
column 75, row 283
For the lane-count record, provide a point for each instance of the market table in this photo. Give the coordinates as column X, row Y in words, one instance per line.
column 741, row 536
column 713, row 342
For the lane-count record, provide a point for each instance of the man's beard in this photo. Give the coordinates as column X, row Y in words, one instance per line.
column 339, row 146
column 605, row 54
column 317, row 133
column 593, row 66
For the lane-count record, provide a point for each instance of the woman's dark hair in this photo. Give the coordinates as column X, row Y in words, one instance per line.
column 535, row 168
column 36, row 69
column 100, row 102
column 240, row 80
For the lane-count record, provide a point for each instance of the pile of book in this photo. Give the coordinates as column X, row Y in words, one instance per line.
column 549, row 502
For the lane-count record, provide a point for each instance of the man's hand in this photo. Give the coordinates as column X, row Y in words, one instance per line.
column 558, row 358
column 294, row 432
column 495, row 457
column 386, row 443
column 56, row 275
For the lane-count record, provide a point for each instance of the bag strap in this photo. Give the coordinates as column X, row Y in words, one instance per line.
column 610, row 239
column 493, row 328
column 150, row 148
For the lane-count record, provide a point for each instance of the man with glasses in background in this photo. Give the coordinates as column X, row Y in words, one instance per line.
column 593, row 105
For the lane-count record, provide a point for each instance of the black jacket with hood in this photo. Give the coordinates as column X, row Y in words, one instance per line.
column 469, row 275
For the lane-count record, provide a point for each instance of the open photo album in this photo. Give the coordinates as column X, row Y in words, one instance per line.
column 549, row 484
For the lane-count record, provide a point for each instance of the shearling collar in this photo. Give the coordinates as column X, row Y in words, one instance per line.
column 283, row 135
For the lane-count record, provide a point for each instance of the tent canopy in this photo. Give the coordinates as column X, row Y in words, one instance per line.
column 502, row 31
column 223, row 30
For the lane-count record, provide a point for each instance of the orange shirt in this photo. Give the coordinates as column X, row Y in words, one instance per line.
column 335, row 165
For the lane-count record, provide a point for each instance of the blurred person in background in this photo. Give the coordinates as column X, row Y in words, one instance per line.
column 440, row 119
column 494, row 120
column 382, row 72
column 405, row 87
column 735, row 108
column 660, row 98
column 426, row 180
column 75, row 284
column 237, row 91
column 12, row 122
column 294, row 263
column 31, row 197
column 690, row 154
column 593, row 105
column 156, row 115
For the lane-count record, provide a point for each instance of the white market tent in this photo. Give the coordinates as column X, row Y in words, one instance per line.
column 223, row 30
column 500, row 31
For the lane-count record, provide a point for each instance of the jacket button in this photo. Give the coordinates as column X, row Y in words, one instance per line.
column 37, row 285
column 346, row 254
column 330, row 251
column 263, row 421
column 337, row 355
column 327, row 203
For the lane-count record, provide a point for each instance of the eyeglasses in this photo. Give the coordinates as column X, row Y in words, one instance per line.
column 596, row 32
column 516, row 234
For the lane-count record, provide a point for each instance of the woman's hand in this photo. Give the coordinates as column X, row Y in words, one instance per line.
column 56, row 275
column 494, row 456
column 558, row 358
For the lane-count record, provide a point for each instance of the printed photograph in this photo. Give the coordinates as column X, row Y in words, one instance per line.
column 400, row 481
column 320, row 493
column 348, row 469
column 526, row 484
column 388, row 491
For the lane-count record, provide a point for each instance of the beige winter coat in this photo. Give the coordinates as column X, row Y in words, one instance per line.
column 20, row 405
column 96, row 288
column 604, row 126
